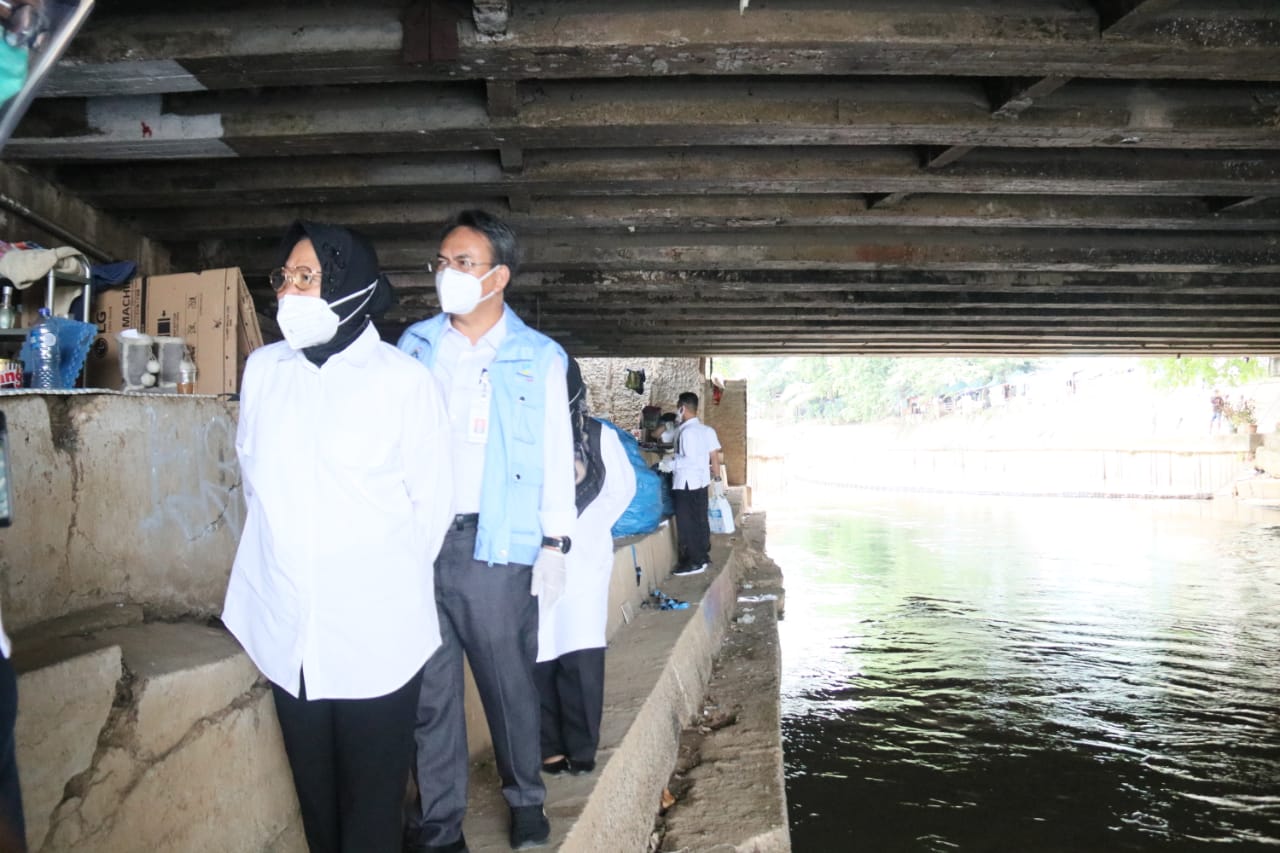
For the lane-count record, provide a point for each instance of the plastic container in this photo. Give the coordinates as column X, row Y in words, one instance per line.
column 187, row 377
column 42, row 342
column 8, row 314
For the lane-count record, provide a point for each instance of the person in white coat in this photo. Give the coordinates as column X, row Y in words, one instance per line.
column 343, row 444
column 571, row 635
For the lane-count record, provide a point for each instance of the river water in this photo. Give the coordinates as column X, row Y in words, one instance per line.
column 998, row 674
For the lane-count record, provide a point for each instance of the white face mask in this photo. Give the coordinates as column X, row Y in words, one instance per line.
column 459, row 292
column 308, row 321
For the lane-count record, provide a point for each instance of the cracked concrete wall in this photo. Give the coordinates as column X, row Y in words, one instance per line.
column 665, row 380
column 119, row 498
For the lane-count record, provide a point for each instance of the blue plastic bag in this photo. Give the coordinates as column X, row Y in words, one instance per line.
column 668, row 502
column 74, row 340
column 644, row 513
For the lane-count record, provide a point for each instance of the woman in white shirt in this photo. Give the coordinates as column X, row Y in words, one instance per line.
column 341, row 444
column 571, row 635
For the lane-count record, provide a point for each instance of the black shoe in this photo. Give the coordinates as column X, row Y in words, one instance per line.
column 459, row 846
column 581, row 768
column 559, row 767
column 529, row 827
column 690, row 570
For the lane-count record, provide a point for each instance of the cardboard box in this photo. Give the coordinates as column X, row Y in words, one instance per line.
column 211, row 310
column 114, row 311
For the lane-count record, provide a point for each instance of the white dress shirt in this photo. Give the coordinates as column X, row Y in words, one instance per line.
column 579, row 618
column 459, row 367
column 695, row 442
column 348, row 497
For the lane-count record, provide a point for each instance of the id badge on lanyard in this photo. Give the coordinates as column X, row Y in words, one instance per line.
column 478, row 417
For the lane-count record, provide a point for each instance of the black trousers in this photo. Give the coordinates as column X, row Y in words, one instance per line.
column 350, row 762
column 13, row 830
column 693, row 530
column 487, row 612
column 571, row 688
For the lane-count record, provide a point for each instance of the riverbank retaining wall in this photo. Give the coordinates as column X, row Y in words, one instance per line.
column 141, row 723
column 1172, row 468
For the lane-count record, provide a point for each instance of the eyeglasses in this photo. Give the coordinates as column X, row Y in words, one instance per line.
column 302, row 278
column 464, row 264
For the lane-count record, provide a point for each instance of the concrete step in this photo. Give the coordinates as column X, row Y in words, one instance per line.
column 149, row 737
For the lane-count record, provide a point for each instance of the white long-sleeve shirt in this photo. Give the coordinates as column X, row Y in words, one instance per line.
column 459, row 367
column 348, row 492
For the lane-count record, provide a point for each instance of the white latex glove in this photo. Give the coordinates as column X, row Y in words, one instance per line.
column 717, row 488
column 548, row 576
column 667, row 464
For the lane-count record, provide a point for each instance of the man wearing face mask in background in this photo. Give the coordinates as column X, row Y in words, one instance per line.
column 348, row 497
column 514, row 510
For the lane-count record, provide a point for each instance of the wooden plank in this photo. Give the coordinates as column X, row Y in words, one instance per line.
column 938, row 320
column 884, row 201
column 673, row 172
column 503, row 97
column 1234, row 205
column 202, row 45
column 1014, row 97
column 858, row 248
column 730, row 307
column 946, row 156
column 631, row 114
column 700, row 213
column 1191, row 24
column 606, row 286
column 511, row 156
column 1117, row 16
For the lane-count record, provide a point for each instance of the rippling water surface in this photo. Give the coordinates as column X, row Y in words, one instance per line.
column 1029, row 675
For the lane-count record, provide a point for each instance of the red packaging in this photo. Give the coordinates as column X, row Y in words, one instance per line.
column 10, row 373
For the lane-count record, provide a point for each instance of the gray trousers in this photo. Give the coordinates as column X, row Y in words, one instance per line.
column 487, row 612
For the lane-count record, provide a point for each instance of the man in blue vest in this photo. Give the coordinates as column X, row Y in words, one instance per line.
column 511, row 445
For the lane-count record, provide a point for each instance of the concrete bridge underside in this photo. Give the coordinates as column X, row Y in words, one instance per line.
column 812, row 176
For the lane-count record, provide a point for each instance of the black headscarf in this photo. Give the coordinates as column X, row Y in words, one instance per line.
column 348, row 264
column 587, row 458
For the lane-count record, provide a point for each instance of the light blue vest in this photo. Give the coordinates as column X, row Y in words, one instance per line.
column 511, row 493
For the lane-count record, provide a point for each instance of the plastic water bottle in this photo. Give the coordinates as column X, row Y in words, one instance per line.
column 8, row 316
column 43, row 343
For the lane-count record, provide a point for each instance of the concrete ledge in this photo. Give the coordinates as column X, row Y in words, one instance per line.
column 1258, row 488
column 62, row 709
column 730, row 775
column 625, row 798
column 657, row 669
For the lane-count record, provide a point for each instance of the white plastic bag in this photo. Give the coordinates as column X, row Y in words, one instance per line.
column 720, row 515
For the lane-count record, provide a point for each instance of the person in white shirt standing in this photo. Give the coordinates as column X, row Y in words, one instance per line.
column 512, row 450
column 697, row 465
column 342, row 441
column 571, row 637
